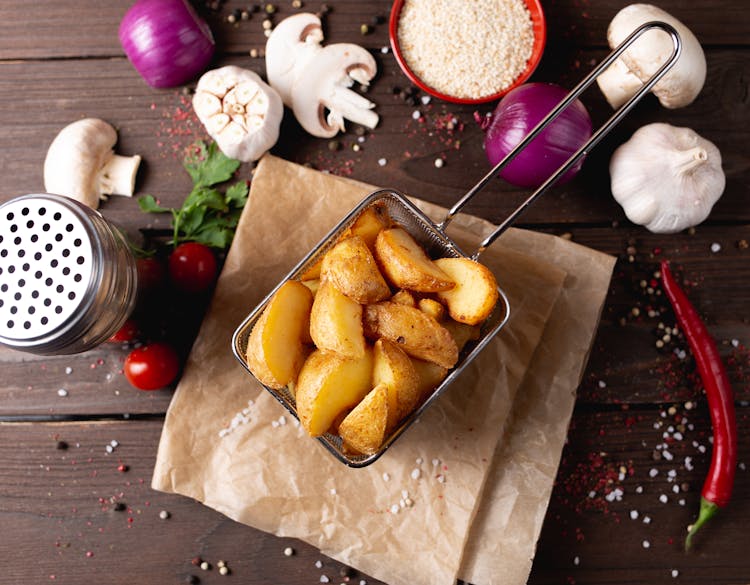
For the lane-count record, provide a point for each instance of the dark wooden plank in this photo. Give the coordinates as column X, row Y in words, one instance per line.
column 52, row 29
column 60, row 505
column 158, row 124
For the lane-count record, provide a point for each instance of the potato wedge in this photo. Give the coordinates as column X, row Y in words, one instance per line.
column 429, row 375
column 313, row 285
column 475, row 293
column 392, row 367
column 275, row 350
column 336, row 322
column 351, row 268
column 419, row 335
column 432, row 308
column 404, row 297
column 327, row 385
column 461, row 332
column 403, row 261
column 364, row 427
column 368, row 224
column 312, row 272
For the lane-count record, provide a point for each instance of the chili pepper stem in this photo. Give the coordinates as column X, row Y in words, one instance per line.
column 707, row 511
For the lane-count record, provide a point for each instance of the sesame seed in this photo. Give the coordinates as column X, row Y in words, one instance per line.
column 576, row 561
column 205, row 566
column 223, row 570
column 394, row 509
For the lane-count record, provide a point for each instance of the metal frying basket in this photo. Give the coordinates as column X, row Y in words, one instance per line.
column 438, row 245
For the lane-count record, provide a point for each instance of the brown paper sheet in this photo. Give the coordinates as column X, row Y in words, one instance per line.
column 407, row 518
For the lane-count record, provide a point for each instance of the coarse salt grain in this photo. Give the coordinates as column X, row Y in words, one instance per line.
column 675, row 573
column 639, row 489
column 68, row 370
column 415, row 473
column 466, row 49
column 576, row 561
column 62, row 392
column 663, row 498
column 416, row 115
column 647, row 519
column 288, row 551
column 653, row 472
column 318, row 564
column 439, row 162
column 324, row 579
column 382, row 162
column 386, row 476
column 634, row 514
column 646, row 544
column 715, row 247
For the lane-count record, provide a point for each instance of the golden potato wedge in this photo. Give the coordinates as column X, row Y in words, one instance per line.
column 364, row 427
column 312, row 272
column 327, row 385
column 418, row 334
column 336, row 322
column 351, row 268
column 429, row 375
column 403, row 261
column 275, row 350
column 404, row 297
column 392, row 367
column 461, row 332
column 313, row 285
column 368, row 224
column 432, row 308
column 475, row 293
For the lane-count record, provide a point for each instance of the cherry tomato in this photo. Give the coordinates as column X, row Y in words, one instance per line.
column 152, row 366
column 128, row 332
column 192, row 267
column 151, row 274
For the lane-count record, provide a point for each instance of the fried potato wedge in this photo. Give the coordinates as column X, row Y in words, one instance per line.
column 336, row 322
column 276, row 347
column 351, row 268
column 429, row 375
column 312, row 272
column 404, row 297
column 404, row 262
column 433, row 308
column 329, row 384
column 364, row 427
column 418, row 334
column 461, row 332
column 368, row 224
column 313, row 285
column 475, row 294
column 392, row 367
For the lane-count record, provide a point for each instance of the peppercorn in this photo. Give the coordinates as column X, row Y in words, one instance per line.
column 364, row 29
column 334, row 145
column 196, row 561
column 270, row 9
column 61, row 445
column 377, row 20
column 360, row 131
column 267, row 24
column 325, row 9
column 296, row 3
column 192, row 580
column 345, row 571
column 245, row 15
column 119, row 507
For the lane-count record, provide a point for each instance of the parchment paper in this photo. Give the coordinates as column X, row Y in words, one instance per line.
column 406, row 518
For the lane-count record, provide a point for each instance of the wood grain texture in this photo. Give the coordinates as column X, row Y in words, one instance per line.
column 61, row 61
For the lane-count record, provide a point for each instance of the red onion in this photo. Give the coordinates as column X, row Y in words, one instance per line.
column 517, row 114
column 166, row 41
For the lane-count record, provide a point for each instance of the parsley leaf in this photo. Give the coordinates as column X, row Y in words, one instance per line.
column 207, row 215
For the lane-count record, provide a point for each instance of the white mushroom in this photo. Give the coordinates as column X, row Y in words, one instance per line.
column 314, row 81
column 239, row 110
column 81, row 163
column 679, row 87
column 292, row 44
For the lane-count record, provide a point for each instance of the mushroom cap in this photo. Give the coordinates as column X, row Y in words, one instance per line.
column 314, row 90
column 294, row 40
column 75, row 157
column 682, row 84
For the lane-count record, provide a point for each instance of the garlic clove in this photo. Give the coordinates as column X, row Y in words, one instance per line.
column 215, row 124
column 206, row 104
column 233, row 133
column 246, row 91
column 217, row 83
column 258, row 106
column 254, row 123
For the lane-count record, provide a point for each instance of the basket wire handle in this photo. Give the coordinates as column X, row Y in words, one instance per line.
column 586, row 148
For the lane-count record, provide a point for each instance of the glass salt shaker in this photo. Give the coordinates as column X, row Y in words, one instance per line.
column 68, row 280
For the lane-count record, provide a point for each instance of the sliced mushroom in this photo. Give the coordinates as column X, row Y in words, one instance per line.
column 314, row 81
column 292, row 44
column 679, row 87
column 239, row 110
column 81, row 163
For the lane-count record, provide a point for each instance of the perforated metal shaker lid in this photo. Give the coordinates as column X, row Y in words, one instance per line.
column 67, row 278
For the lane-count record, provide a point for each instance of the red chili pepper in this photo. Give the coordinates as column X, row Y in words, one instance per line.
column 717, row 488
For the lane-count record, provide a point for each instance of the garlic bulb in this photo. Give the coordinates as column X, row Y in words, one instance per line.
column 239, row 110
column 666, row 178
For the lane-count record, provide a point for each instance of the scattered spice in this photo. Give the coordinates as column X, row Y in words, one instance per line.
column 288, row 551
column 61, row 445
column 164, row 515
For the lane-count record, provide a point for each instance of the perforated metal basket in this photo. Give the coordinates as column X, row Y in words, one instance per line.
column 437, row 244
column 67, row 278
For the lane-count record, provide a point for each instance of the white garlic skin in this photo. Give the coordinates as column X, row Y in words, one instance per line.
column 666, row 178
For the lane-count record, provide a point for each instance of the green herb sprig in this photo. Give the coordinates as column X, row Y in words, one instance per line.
column 207, row 215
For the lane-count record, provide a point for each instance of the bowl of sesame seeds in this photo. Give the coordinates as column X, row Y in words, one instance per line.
column 467, row 52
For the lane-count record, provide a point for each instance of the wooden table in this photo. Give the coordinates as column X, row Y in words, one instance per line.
column 59, row 512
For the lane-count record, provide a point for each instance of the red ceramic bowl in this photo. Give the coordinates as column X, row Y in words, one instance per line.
column 540, row 38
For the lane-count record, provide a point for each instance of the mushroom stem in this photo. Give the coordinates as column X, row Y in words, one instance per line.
column 117, row 176
column 618, row 83
column 352, row 106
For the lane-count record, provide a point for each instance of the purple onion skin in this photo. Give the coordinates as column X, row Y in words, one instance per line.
column 517, row 114
column 166, row 41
